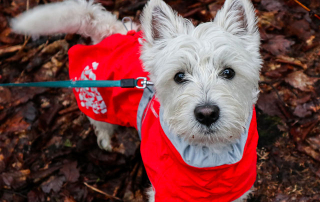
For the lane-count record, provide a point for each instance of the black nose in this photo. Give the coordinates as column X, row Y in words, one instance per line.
column 207, row 114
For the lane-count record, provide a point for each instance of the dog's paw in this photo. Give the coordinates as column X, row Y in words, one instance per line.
column 104, row 143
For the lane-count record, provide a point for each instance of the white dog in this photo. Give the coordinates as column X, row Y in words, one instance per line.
column 198, row 123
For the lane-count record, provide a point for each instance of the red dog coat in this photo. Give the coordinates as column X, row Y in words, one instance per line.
column 177, row 171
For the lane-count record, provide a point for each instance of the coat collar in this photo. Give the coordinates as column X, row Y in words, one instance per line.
column 201, row 156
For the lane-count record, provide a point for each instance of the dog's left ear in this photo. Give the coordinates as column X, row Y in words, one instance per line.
column 160, row 22
column 238, row 18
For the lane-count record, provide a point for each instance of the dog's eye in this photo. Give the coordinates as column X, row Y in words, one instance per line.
column 227, row 73
column 179, row 78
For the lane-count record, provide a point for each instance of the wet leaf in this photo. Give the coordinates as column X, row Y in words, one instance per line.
column 268, row 103
column 36, row 196
column 278, row 45
column 302, row 111
column 301, row 29
column 53, row 183
column 70, row 171
column 301, row 81
column 271, row 5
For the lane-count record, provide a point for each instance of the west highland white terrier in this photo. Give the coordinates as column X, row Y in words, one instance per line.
column 197, row 124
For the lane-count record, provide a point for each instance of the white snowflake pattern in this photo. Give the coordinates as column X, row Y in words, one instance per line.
column 91, row 97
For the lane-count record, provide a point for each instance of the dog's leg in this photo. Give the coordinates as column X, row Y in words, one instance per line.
column 151, row 194
column 71, row 16
column 244, row 197
column 104, row 132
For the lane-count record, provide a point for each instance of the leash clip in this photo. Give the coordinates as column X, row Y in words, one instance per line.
column 124, row 23
column 142, row 82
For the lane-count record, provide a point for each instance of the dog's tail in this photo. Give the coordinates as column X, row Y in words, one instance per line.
column 71, row 16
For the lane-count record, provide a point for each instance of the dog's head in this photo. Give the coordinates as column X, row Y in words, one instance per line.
column 206, row 77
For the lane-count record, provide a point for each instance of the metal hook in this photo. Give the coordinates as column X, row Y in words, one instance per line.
column 123, row 22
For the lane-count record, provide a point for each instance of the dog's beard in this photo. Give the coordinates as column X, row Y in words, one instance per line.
column 221, row 132
column 227, row 129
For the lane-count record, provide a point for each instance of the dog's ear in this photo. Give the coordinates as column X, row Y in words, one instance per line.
column 238, row 18
column 159, row 22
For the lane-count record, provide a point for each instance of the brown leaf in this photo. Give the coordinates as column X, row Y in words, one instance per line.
column 214, row 7
column 23, row 95
column 302, row 111
column 308, row 150
column 15, row 179
column 301, row 29
column 279, row 72
column 36, row 196
column 301, row 81
column 53, row 183
column 8, row 37
column 16, row 123
column 291, row 61
column 278, row 45
column 10, row 49
column 300, row 132
column 3, row 22
column 43, row 173
column 314, row 142
column 69, row 199
column 70, row 171
column 303, row 99
column 5, row 96
column 18, row 6
column 272, row 5
column 268, row 104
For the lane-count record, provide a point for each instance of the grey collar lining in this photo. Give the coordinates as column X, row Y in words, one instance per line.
column 202, row 156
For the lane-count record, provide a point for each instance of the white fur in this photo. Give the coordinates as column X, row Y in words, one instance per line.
column 71, row 16
column 104, row 132
column 202, row 52
column 173, row 44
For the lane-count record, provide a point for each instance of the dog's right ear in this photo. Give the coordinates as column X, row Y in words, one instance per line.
column 160, row 22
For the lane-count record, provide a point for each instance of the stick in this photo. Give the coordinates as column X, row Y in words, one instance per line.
column 101, row 192
column 307, row 9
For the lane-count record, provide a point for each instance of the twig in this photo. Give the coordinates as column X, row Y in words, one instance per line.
column 26, row 38
column 273, row 88
column 307, row 9
column 101, row 192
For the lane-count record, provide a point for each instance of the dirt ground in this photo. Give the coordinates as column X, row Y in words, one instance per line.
column 48, row 150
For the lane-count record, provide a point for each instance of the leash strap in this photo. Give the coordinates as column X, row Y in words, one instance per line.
column 140, row 83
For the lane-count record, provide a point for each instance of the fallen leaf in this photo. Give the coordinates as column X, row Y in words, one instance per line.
column 36, row 196
column 70, row 171
column 272, row 5
column 15, row 179
column 314, row 142
column 10, row 49
column 302, row 111
column 291, row 61
column 53, row 183
column 301, row 29
column 301, row 81
column 310, row 151
column 69, row 199
column 267, row 102
column 278, row 45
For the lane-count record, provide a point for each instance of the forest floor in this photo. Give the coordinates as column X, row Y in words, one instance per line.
column 48, row 150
